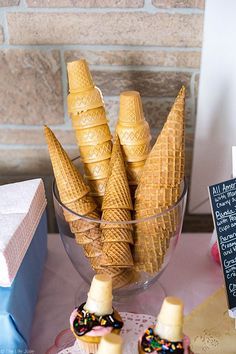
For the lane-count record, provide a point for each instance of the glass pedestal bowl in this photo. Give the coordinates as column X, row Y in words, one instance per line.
column 134, row 292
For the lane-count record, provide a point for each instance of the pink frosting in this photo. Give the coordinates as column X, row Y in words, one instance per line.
column 96, row 331
column 186, row 344
column 99, row 331
column 73, row 317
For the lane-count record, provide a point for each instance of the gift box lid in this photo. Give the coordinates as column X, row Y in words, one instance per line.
column 21, row 207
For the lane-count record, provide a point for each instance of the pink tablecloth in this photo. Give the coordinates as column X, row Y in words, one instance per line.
column 191, row 275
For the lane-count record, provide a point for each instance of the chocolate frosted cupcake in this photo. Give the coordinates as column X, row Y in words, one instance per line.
column 167, row 335
column 110, row 344
column 95, row 318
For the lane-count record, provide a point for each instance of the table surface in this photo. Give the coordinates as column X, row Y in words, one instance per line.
column 191, row 275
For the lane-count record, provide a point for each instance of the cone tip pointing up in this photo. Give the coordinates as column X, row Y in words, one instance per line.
column 182, row 91
column 47, row 131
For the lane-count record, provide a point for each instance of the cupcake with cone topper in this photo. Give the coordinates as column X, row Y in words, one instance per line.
column 167, row 335
column 92, row 320
column 111, row 343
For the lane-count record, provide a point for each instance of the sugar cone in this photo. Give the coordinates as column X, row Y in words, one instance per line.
column 160, row 186
column 117, row 235
column 111, row 343
column 117, row 254
column 70, row 184
column 117, row 193
column 85, row 104
column 74, row 194
column 100, row 297
column 82, row 206
column 134, row 133
column 88, row 236
column 82, row 225
column 116, row 207
column 170, row 320
column 113, row 215
column 79, row 76
column 93, row 249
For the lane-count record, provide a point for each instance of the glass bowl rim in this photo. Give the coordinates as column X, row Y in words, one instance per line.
column 131, row 222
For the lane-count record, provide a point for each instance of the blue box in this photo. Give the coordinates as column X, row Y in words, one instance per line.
column 17, row 303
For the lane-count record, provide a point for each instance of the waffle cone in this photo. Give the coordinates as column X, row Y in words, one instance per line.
column 70, row 183
column 95, row 153
column 159, row 188
column 79, row 76
column 89, row 119
column 97, row 170
column 165, row 196
column 131, row 110
column 135, row 153
column 165, row 165
column 117, row 235
column 98, row 134
column 137, row 135
column 117, row 194
column 168, row 221
column 117, row 254
column 83, row 101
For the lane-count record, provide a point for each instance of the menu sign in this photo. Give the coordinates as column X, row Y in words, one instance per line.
column 223, row 203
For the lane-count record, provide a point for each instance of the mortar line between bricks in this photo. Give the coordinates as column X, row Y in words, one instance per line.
column 99, row 47
column 32, row 146
column 64, row 86
column 80, row 10
column 5, row 29
column 192, row 96
column 140, row 68
column 22, row 4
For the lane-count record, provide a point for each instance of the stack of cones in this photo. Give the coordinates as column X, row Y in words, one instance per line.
column 86, row 107
column 116, row 207
column 134, row 133
column 74, row 194
column 159, row 188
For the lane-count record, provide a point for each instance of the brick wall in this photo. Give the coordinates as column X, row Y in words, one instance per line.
column 150, row 46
